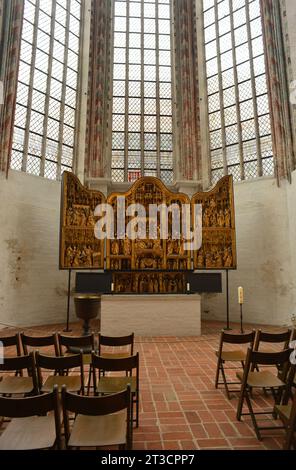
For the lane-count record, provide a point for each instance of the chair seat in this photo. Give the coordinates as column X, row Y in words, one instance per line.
column 16, row 385
column 115, row 355
column 284, row 411
column 116, row 384
column 93, row 431
column 34, row 432
column 264, row 379
column 232, row 355
column 72, row 382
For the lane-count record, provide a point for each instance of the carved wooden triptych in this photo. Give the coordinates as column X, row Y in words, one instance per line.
column 150, row 263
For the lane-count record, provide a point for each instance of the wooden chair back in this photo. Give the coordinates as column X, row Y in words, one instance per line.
column 239, row 338
column 277, row 359
column 116, row 365
column 13, row 340
column 76, row 342
column 267, row 337
column 126, row 364
column 97, row 406
column 19, row 364
column 59, row 364
column 33, row 406
column 39, row 342
column 116, row 341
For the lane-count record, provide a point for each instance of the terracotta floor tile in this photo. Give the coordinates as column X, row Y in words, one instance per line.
column 179, row 405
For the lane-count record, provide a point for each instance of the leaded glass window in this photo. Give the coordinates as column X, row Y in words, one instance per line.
column 142, row 114
column 238, row 108
column 44, row 129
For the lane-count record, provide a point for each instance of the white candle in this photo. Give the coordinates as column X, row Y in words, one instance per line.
column 188, row 287
column 112, row 286
column 240, row 295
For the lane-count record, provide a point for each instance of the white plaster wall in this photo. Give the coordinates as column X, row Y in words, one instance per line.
column 32, row 289
column 264, row 246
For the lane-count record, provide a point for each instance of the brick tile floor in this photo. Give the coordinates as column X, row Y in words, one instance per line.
column 179, row 405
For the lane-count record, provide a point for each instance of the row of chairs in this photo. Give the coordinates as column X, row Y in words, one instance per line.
column 256, row 374
column 61, row 344
column 36, row 364
column 36, row 422
column 254, row 340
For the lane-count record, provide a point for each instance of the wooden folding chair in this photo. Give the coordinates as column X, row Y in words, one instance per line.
column 117, row 342
column 262, row 337
column 235, row 356
column 76, row 344
column 35, row 422
column 12, row 344
column 287, row 413
column 112, row 384
column 61, row 364
column 19, row 384
column 13, row 340
column 264, row 379
column 99, row 421
column 33, row 342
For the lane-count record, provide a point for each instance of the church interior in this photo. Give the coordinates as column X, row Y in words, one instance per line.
column 147, row 235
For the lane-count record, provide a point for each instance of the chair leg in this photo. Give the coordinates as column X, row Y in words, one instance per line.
column 137, row 411
column 254, row 421
column 225, row 382
column 89, row 379
column 289, row 438
column 240, row 404
column 217, row 373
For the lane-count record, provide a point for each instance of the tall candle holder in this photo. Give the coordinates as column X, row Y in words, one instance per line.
column 241, row 301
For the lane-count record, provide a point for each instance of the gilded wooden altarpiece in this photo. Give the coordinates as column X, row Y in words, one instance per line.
column 159, row 263
column 79, row 248
column 218, row 250
column 146, row 265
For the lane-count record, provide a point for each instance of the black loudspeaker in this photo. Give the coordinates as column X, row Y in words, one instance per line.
column 204, row 282
column 93, row 283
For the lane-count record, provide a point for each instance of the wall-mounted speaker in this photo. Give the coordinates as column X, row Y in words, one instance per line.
column 93, row 283
column 204, row 282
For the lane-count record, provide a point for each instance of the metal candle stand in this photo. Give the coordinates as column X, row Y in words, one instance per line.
column 241, row 318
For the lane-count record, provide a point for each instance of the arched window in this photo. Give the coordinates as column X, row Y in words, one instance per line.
column 142, row 118
column 44, row 129
column 238, row 107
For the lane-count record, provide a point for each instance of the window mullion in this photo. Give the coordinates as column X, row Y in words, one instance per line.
column 237, row 100
column 157, row 92
column 47, row 93
column 126, row 117
column 30, row 91
column 63, row 95
column 221, row 98
column 253, row 84
column 142, row 89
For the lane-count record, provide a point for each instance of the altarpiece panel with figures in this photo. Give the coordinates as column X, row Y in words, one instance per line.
column 150, row 263
column 218, row 250
column 159, row 262
column 79, row 248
